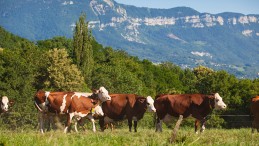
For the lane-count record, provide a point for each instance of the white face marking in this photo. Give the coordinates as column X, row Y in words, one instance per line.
column 150, row 102
column 219, row 104
column 63, row 106
column 4, row 104
column 103, row 94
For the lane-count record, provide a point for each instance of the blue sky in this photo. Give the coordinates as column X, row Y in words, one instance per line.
column 210, row 6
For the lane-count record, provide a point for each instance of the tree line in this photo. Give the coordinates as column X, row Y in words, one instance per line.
column 81, row 64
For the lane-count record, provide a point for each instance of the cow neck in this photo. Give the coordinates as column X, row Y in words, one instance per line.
column 211, row 102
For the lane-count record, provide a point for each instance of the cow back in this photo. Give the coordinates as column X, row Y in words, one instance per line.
column 184, row 104
column 59, row 102
column 119, row 105
column 82, row 104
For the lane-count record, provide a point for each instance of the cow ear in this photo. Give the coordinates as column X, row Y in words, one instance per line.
column 95, row 91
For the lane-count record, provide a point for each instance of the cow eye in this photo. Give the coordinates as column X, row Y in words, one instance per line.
column 217, row 100
column 148, row 103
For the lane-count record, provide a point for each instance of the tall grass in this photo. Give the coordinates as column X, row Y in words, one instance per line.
column 122, row 136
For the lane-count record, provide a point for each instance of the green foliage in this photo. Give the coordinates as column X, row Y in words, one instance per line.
column 56, row 42
column 10, row 41
column 82, row 48
column 118, row 72
column 62, row 75
column 214, row 121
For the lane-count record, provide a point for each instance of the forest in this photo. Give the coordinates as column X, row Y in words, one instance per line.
column 81, row 64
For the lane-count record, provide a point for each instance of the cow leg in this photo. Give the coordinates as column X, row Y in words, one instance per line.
column 91, row 118
column 196, row 125
column 202, row 125
column 69, row 119
column 41, row 121
column 111, row 126
column 81, row 123
column 76, row 126
column 101, row 123
column 130, row 124
column 93, row 122
column 135, row 125
column 50, row 122
column 158, row 125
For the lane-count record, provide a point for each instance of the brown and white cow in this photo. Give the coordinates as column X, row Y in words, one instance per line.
column 195, row 105
column 123, row 106
column 254, row 108
column 82, row 106
column 5, row 104
column 62, row 102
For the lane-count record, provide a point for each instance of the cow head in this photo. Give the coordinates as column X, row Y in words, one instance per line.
column 4, row 104
column 97, row 111
column 103, row 94
column 219, row 104
column 40, row 100
column 150, row 104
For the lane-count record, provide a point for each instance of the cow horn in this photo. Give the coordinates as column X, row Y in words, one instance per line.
column 37, row 106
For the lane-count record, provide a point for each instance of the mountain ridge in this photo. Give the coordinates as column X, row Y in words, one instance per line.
column 181, row 35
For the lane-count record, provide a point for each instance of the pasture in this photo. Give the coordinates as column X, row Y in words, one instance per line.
column 122, row 137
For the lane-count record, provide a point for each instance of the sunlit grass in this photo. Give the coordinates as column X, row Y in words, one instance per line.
column 186, row 136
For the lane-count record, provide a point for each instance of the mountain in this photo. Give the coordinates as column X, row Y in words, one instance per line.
column 181, row 35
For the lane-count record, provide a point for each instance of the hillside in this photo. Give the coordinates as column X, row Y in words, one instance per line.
column 181, row 35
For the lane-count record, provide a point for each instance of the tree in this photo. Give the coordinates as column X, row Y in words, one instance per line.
column 203, row 75
column 83, row 51
column 56, row 42
column 62, row 74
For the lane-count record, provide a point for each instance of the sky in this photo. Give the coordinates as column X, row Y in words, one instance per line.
column 209, row 6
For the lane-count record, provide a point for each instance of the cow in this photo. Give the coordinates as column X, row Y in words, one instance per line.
column 254, row 109
column 123, row 106
column 5, row 104
column 60, row 103
column 195, row 105
column 82, row 106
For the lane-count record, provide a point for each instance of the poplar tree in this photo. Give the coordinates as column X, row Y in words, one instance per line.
column 82, row 48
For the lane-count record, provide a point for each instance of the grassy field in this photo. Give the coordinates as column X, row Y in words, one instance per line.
column 121, row 137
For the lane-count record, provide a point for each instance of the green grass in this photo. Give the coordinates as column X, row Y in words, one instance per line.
column 121, row 137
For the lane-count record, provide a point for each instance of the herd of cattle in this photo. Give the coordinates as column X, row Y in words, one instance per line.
column 109, row 108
